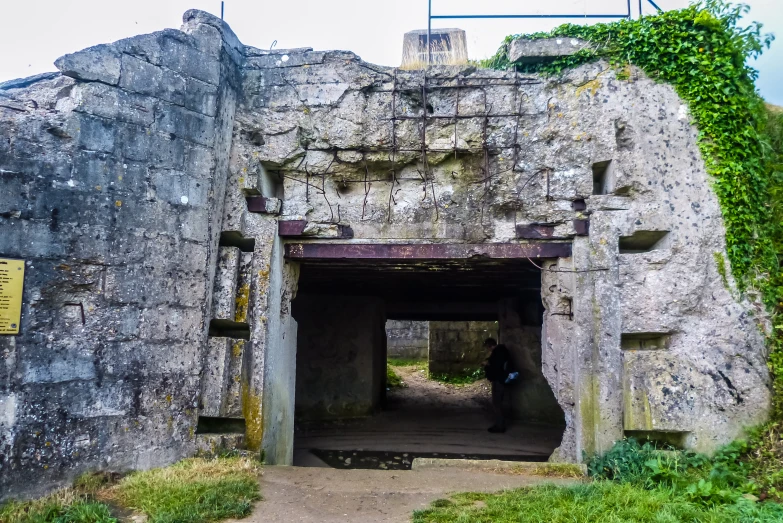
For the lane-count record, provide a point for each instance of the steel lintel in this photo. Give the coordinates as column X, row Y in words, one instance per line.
column 432, row 251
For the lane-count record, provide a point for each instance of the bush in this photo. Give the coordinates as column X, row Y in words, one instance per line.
column 646, row 464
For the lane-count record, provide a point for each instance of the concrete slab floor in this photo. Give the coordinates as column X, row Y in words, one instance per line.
column 326, row 495
column 429, row 417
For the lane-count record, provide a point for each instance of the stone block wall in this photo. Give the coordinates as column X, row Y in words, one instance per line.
column 112, row 179
column 457, row 347
column 407, row 339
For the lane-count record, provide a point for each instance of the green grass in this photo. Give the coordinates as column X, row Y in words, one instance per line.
column 192, row 491
column 393, row 380
column 598, row 502
column 464, row 376
column 646, row 482
column 63, row 506
column 404, row 362
column 196, row 490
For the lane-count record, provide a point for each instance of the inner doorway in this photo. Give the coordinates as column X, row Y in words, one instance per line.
column 347, row 416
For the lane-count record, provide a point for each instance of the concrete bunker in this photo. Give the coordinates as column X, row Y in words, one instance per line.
column 341, row 309
column 165, row 190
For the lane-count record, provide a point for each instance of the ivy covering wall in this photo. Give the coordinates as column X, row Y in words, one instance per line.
column 703, row 51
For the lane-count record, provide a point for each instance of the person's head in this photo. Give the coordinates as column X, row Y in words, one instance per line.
column 490, row 343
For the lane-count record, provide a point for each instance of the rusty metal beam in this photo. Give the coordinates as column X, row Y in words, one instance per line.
column 291, row 227
column 263, row 205
column 433, row 251
column 535, row 231
column 296, row 229
column 582, row 227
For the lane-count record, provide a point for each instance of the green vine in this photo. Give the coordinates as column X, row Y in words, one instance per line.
column 703, row 52
column 720, row 263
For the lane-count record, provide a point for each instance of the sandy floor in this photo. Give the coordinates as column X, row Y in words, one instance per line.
column 326, row 495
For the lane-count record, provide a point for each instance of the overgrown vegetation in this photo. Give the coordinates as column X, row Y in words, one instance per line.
column 703, row 52
column 464, row 376
column 644, row 482
column 393, row 380
column 598, row 502
column 197, row 490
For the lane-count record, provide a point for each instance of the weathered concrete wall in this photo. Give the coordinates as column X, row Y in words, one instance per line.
column 457, row 347
column 340, row 352
column 112, row 179
column 407, row 339
column 585, row 158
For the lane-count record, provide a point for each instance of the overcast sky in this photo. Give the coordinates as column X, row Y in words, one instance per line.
column 33, row 33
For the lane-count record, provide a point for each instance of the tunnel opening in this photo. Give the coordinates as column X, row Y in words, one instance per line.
column 348, row 415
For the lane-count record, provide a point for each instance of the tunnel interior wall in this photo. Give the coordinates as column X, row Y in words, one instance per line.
column 340, row 356
column 520, row 322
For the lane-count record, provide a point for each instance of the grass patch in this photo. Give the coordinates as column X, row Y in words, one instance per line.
column 63, row 506
column 196, row 490
column 405, row 362
column 192, row 491
column 464, row 376
column 598, row 502
column 393, row 380
column 646, row 482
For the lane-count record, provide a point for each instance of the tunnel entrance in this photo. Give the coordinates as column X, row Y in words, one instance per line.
column 348, row 416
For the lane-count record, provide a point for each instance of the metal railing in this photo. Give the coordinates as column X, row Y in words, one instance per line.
column 430, row 17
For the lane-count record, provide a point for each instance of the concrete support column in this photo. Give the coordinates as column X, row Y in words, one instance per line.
column 270, row 355
column 599, row 357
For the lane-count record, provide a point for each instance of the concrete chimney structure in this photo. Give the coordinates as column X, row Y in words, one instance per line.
column 449, row 47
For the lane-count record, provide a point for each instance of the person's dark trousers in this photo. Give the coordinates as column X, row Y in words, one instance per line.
column 498, row 393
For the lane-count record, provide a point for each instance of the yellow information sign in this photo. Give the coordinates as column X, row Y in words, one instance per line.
column 11, row 286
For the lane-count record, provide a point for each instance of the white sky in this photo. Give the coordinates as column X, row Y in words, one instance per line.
column 33, row 33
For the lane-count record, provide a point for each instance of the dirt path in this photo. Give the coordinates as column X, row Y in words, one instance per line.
column 425, row 393
column 323, row 495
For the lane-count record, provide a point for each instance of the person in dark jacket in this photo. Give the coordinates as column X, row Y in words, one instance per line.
column 497, row 371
